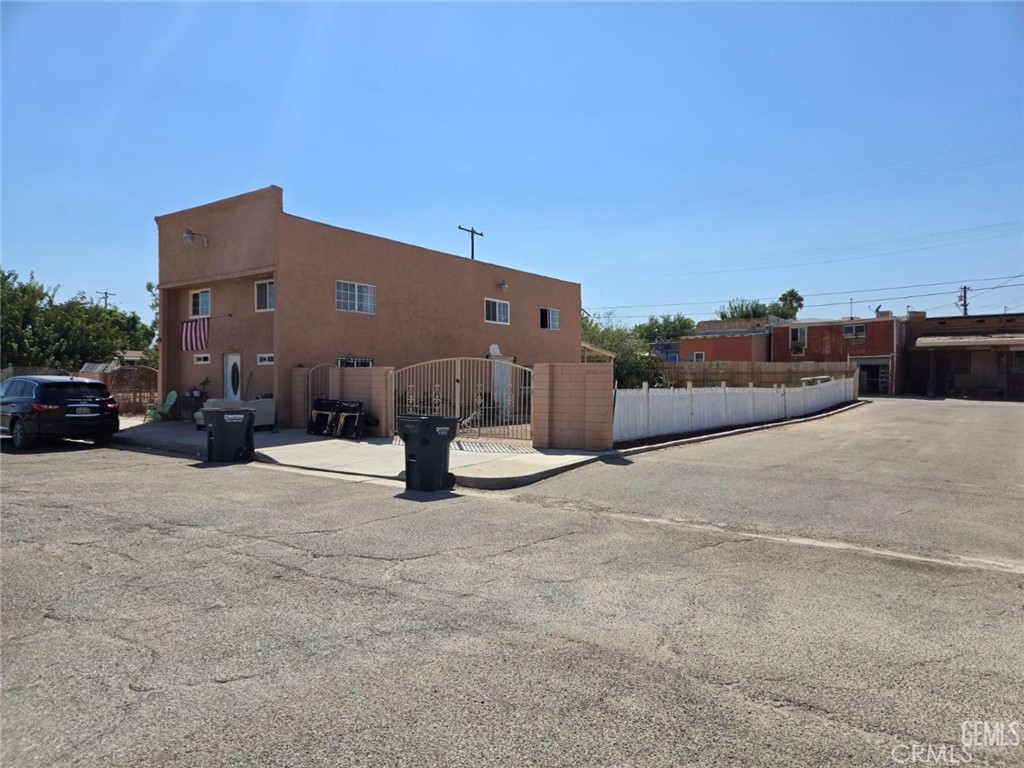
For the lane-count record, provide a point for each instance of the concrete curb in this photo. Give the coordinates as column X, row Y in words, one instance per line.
column 466, row 481
column 740, row 431
column 180, row 450
column 188, row 451
column 263, row 458
column 518, row 481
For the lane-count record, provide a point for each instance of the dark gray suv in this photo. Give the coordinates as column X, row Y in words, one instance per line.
column 52, row 407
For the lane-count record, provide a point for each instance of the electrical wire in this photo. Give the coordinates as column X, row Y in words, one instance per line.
column 844, row 303
column 826, row 293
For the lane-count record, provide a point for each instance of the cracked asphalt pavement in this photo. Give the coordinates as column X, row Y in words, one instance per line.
column 820, row 594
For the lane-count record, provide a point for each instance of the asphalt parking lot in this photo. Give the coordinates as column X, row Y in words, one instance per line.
column 835, row 593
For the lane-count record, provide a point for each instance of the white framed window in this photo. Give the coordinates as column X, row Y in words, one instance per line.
column 199, row 303
column 695, row 357
column 797, row 337
column 265, row 358
column 201, row 359
column 858, row 331
column 496, row 311
column 264, row 295
column 355, row 297
column 550, row 319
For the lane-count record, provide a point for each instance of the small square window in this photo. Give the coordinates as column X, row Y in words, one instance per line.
column 496, row 311
column 199, row 305
column 550, row 319
column 201, row 359
column 264, row 295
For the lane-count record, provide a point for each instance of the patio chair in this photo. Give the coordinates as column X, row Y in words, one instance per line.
column 155, row 410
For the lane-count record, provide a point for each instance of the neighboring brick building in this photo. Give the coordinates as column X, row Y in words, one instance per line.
column 876, row 344
column 248, row 292
column 746, row 347
column 745, row 340
column 972, row 356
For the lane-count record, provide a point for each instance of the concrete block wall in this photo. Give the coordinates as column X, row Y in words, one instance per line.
column 369, row 385
column 298, row 416
column 573, row 406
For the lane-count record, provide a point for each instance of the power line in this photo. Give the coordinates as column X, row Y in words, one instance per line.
column 994, row 287
column 844, row 303
column 901, row 245
column 826, row 293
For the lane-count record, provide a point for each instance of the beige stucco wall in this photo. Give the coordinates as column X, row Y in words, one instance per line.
column 241, row 232
column 429, row 304
column 573, row 406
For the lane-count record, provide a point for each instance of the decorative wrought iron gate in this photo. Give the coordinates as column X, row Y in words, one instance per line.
column 490, row 397
column 318, row 384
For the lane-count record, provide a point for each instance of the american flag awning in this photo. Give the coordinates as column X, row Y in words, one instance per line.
column 195, row 334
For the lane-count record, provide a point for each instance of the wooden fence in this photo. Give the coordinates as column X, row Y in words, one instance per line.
column 737, row 374
column 134, row 386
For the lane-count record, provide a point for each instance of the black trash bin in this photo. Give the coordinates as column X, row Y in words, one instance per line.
column 229, row 434
column 427, row 440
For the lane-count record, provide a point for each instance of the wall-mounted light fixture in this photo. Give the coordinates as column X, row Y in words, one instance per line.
column 190, row 236
column 503, row 285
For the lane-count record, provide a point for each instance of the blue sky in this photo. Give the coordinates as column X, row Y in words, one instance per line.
column 667, row 156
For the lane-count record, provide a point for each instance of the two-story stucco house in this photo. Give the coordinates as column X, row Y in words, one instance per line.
column 248, row 292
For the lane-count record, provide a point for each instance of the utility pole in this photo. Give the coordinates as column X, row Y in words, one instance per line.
column 472, row 236
column 106, row 295
column 962, row 301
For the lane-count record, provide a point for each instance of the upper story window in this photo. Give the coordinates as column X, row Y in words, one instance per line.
column 550, row 319
column 355, row 297
column 854, row 331
column 496, row 311
column 199, row 303
column 264, row 295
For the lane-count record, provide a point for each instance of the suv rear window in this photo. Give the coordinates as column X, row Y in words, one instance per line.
column 20, row 388
column 73, row 390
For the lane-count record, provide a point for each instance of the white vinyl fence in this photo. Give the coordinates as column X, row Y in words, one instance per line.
column 645, row 412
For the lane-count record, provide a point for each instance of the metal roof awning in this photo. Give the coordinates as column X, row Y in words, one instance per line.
column 1012, row 341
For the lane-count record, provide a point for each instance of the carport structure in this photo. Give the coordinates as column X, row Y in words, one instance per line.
column 989, row 366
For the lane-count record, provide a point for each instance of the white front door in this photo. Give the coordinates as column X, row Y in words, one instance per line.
column 232, row 376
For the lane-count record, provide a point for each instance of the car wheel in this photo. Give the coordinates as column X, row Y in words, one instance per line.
column 19, row 436
column 103, row 438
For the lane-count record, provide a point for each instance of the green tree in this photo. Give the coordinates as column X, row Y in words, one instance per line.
column 751, row 308
column 665, row 327
column 37, row 331
column 634, row 362
column 743, row 308
column 792, row 300
column 25, row 335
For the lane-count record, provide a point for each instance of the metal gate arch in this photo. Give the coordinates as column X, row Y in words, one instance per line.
column 491, row 397
column 318, row 384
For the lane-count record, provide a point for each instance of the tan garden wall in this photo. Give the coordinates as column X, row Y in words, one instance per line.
column 573, row 406
column 368, row 385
